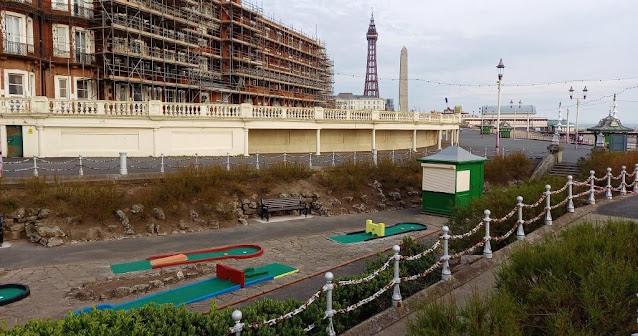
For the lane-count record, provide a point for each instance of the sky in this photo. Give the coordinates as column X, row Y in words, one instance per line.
column 461, row 41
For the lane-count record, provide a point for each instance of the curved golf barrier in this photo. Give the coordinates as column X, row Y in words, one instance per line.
column 443, row 262
column 10, row 293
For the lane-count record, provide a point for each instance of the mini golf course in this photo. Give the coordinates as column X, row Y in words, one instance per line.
column 205, row 289
column 11, row 293
column 362, row 236
column 180, row 258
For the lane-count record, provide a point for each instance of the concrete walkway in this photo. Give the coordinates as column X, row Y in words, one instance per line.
column 52, row 273
column 485, row 282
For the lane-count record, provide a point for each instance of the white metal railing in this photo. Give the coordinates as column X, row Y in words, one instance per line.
column 44, row 105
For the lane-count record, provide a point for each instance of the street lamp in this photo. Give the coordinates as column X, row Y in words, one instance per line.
column 571, row 96
column 501, row 68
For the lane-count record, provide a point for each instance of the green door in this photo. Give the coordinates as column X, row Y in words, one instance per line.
column 14, row 141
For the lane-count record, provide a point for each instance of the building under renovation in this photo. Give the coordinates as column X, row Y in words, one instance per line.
column 168, row 50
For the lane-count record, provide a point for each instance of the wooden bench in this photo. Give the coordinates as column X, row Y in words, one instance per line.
column 269, row 205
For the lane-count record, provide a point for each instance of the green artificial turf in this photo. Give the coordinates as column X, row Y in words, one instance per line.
column 10, row 293
column 389, row 231
column 145, row 265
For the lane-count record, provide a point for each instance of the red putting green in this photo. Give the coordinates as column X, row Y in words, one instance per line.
column 180, row 258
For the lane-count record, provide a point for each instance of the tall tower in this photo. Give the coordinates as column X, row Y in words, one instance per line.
column 372, row 80
column 403, row 81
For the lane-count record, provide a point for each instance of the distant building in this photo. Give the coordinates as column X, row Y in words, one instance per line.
column 518, row 116
column 389, row 104
column 349, row 101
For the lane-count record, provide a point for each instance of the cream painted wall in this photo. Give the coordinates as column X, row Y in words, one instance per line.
column 278, row 141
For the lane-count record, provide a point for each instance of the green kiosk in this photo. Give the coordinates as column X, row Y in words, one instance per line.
column 451, row 178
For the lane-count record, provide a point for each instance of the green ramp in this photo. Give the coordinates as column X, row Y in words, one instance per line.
column 362, row 236
column 145, row 265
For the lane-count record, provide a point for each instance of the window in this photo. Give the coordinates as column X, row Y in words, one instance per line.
column 62, row 91
column 60, row 5
column 82, row 46
column 61, row 41
column 83, row 88
column 16, row 84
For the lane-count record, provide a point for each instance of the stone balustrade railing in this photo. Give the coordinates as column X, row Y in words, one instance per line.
column 158, row 109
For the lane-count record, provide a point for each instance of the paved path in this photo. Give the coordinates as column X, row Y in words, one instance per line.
column 485, row 282
column 533, row 148
column 51, row 273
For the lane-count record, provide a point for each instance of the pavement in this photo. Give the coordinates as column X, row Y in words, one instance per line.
column 481, row 144
column 52, row 272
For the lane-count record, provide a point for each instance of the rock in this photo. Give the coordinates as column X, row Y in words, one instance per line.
column 245, row 201
column 157, row 228
column 180, row 275
column 72, row 220
column 137, row 208
column 413, row 193
column 364, row 198
column 44, row 213
column 17, row 227
column 54, row 241
column 284, row 195
column 348, row 198
column 381, row 206
column 242, row 221
column 46, row 232
column 31, row 219
column 156, row 283
column 208, row 207
column 395, row 196
column 19, row 213
column 182, row 225
column 376, row 184
column 130, row 232
column 122, row 292
column 315, row 196
column 193, row 214
column 238, row 212
column 402, row 204
column 150, row 228
column 169, row 279
column 416, row 201
column 111, row 228
column 191, row 274
column 120, row 215
column 335, row 202
column 214, row 224
column 79, row 293
column 31, row 212
column 158, row 213
column 359, row 207
column 252, row 205
column 94, row 234
column 140, row 288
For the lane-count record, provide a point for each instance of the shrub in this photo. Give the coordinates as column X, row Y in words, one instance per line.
column 513, row 167
column 355, row 177
column 582, row 282
column 598, row 161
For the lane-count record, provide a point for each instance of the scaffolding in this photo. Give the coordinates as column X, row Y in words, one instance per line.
column 206, row 51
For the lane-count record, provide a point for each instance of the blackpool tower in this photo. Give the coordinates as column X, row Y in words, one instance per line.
column 372, row 80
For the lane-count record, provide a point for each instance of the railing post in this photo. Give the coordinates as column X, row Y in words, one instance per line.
column 81, row 166
column 608, row 193
column 333, row 159
column 487, row 249
column 1, row 230
column 396, row 295
column 445, row 270
column 393, row 162
column 239, row 327
column 623, row 189
column 354, row 157
column 161, row 163
column 328, row 287
column 520, row 231
column 196, row 162
column 310, row 160
column 35, row 166
column 257, row 161
column 548, row 205
column 374, row 156
column 227, row 161
column 636, row 178
column 485, row 152
column 570, row 196
column 592, row 181
column 285, row 160
column 123, row 170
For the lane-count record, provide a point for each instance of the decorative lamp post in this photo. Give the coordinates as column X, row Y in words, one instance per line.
column 512, row 109
column 501, row 68
column 571, row 96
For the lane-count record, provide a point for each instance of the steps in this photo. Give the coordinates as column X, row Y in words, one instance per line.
column 564, row 169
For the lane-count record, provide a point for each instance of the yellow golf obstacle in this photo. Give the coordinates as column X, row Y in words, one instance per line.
column 375, row 229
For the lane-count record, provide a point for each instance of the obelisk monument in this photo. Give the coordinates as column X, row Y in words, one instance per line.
column 403, row 81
